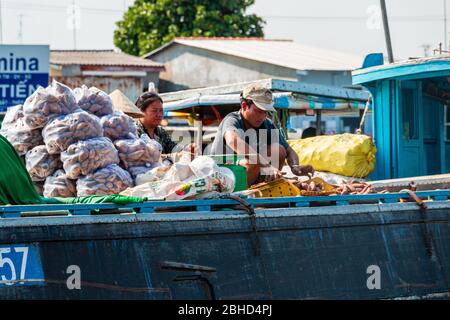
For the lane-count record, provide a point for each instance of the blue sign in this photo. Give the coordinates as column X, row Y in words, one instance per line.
column 20, row 265
column 23, row 68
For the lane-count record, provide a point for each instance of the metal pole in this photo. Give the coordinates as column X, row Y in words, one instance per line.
column 74, row 23
column 20, row 35
column 1, row 23
column 445, row 26
column 199, row 136
column 387, row 34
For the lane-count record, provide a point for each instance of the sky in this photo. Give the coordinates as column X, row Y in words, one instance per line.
column 352, row 26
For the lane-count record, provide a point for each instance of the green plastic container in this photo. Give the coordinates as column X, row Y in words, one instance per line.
column 229, row 161
column 240, row 174
column 224, row 159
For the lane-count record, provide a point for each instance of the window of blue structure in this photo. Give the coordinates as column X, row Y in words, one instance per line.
column 447, row 122
column 409, row 115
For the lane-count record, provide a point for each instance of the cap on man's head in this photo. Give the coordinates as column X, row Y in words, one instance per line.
column 261, row 97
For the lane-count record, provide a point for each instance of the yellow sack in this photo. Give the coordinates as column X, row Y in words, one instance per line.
column 351, row 155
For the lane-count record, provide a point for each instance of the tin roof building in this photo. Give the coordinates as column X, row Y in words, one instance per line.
column 200, row 62
column 105, row 69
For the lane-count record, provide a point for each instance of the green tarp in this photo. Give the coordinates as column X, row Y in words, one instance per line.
column 16, row 186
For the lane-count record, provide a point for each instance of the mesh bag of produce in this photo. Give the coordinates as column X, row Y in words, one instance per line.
column 93, row 100
column 11, row 116
column 137, row 152
column 118, row 126
column 39, row 186
column 40, row 164
column 59, row 185
column 22, row 137
column 350, row 155
column 109, row 180
column 63, row 131
column 84, row 157
column 135, row 171
column 48, row 103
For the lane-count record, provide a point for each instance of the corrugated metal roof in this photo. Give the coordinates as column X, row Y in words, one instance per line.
column 99, row 58
column 414, row 67
column 409, row 62
column 284, row 53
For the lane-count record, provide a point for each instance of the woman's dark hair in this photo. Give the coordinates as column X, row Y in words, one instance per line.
column 145, row 99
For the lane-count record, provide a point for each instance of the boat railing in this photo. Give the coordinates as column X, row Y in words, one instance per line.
column 208, row 205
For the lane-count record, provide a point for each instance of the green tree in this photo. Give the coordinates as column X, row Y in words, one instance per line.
column 148, row 24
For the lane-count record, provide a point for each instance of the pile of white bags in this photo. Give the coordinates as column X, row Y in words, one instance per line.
column 84, row 157
column 93, row 100
column 66, row 139
column 137, row 152
column 40, row 164
column 59, row 185
column 118, row 126
column 60, row 133
column 48, row 103
column 110, row 180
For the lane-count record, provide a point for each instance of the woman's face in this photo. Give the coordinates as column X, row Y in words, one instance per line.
column 154, row 113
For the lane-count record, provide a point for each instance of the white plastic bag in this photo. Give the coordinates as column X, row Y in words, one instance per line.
column 136, row 152
column 11, row 116
column 154, row 174
column 63, row 131
column 93, row 100
column 118, row 126
column 40, row 164
column 219, row 181
column 109, row 180
column 84, row 157
column 46, row 104
column 59, row 185
column 22, row 137
column 203, row 166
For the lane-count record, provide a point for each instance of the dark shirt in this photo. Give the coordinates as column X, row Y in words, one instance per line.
column 258, row 138
column 161, row 136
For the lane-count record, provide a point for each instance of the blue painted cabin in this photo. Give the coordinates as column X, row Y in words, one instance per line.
column 411, row 116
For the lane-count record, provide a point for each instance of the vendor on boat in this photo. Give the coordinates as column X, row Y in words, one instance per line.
column 151, row 104
column 250, row 133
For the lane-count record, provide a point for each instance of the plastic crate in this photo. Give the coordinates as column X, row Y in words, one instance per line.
column 274, row 189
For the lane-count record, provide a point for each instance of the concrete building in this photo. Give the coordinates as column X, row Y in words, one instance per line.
column 104, row 69
column 201, row 62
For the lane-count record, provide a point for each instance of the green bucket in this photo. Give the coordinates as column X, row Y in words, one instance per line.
column 229, row 161
column 240, row 174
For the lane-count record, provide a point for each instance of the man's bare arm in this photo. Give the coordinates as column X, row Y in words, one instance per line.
column 294, row 163
column 292, row 157
column 239, row 146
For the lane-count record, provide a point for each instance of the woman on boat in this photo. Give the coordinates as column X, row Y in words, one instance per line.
column 151, row 104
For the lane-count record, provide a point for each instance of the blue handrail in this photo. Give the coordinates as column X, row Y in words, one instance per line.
column 12, row 211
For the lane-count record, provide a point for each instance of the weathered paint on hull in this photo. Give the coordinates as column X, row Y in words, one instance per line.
column 306, row 253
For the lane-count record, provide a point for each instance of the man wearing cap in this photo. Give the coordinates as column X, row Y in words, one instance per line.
column 249, row 132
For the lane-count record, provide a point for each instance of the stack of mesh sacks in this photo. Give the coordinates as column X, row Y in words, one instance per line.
column 66, row 138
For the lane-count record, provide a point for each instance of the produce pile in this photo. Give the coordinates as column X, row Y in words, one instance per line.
column 355, row 187
column 73, row 143
column 350, row 187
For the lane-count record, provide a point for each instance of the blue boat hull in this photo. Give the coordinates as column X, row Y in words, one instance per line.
column 295, row 253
